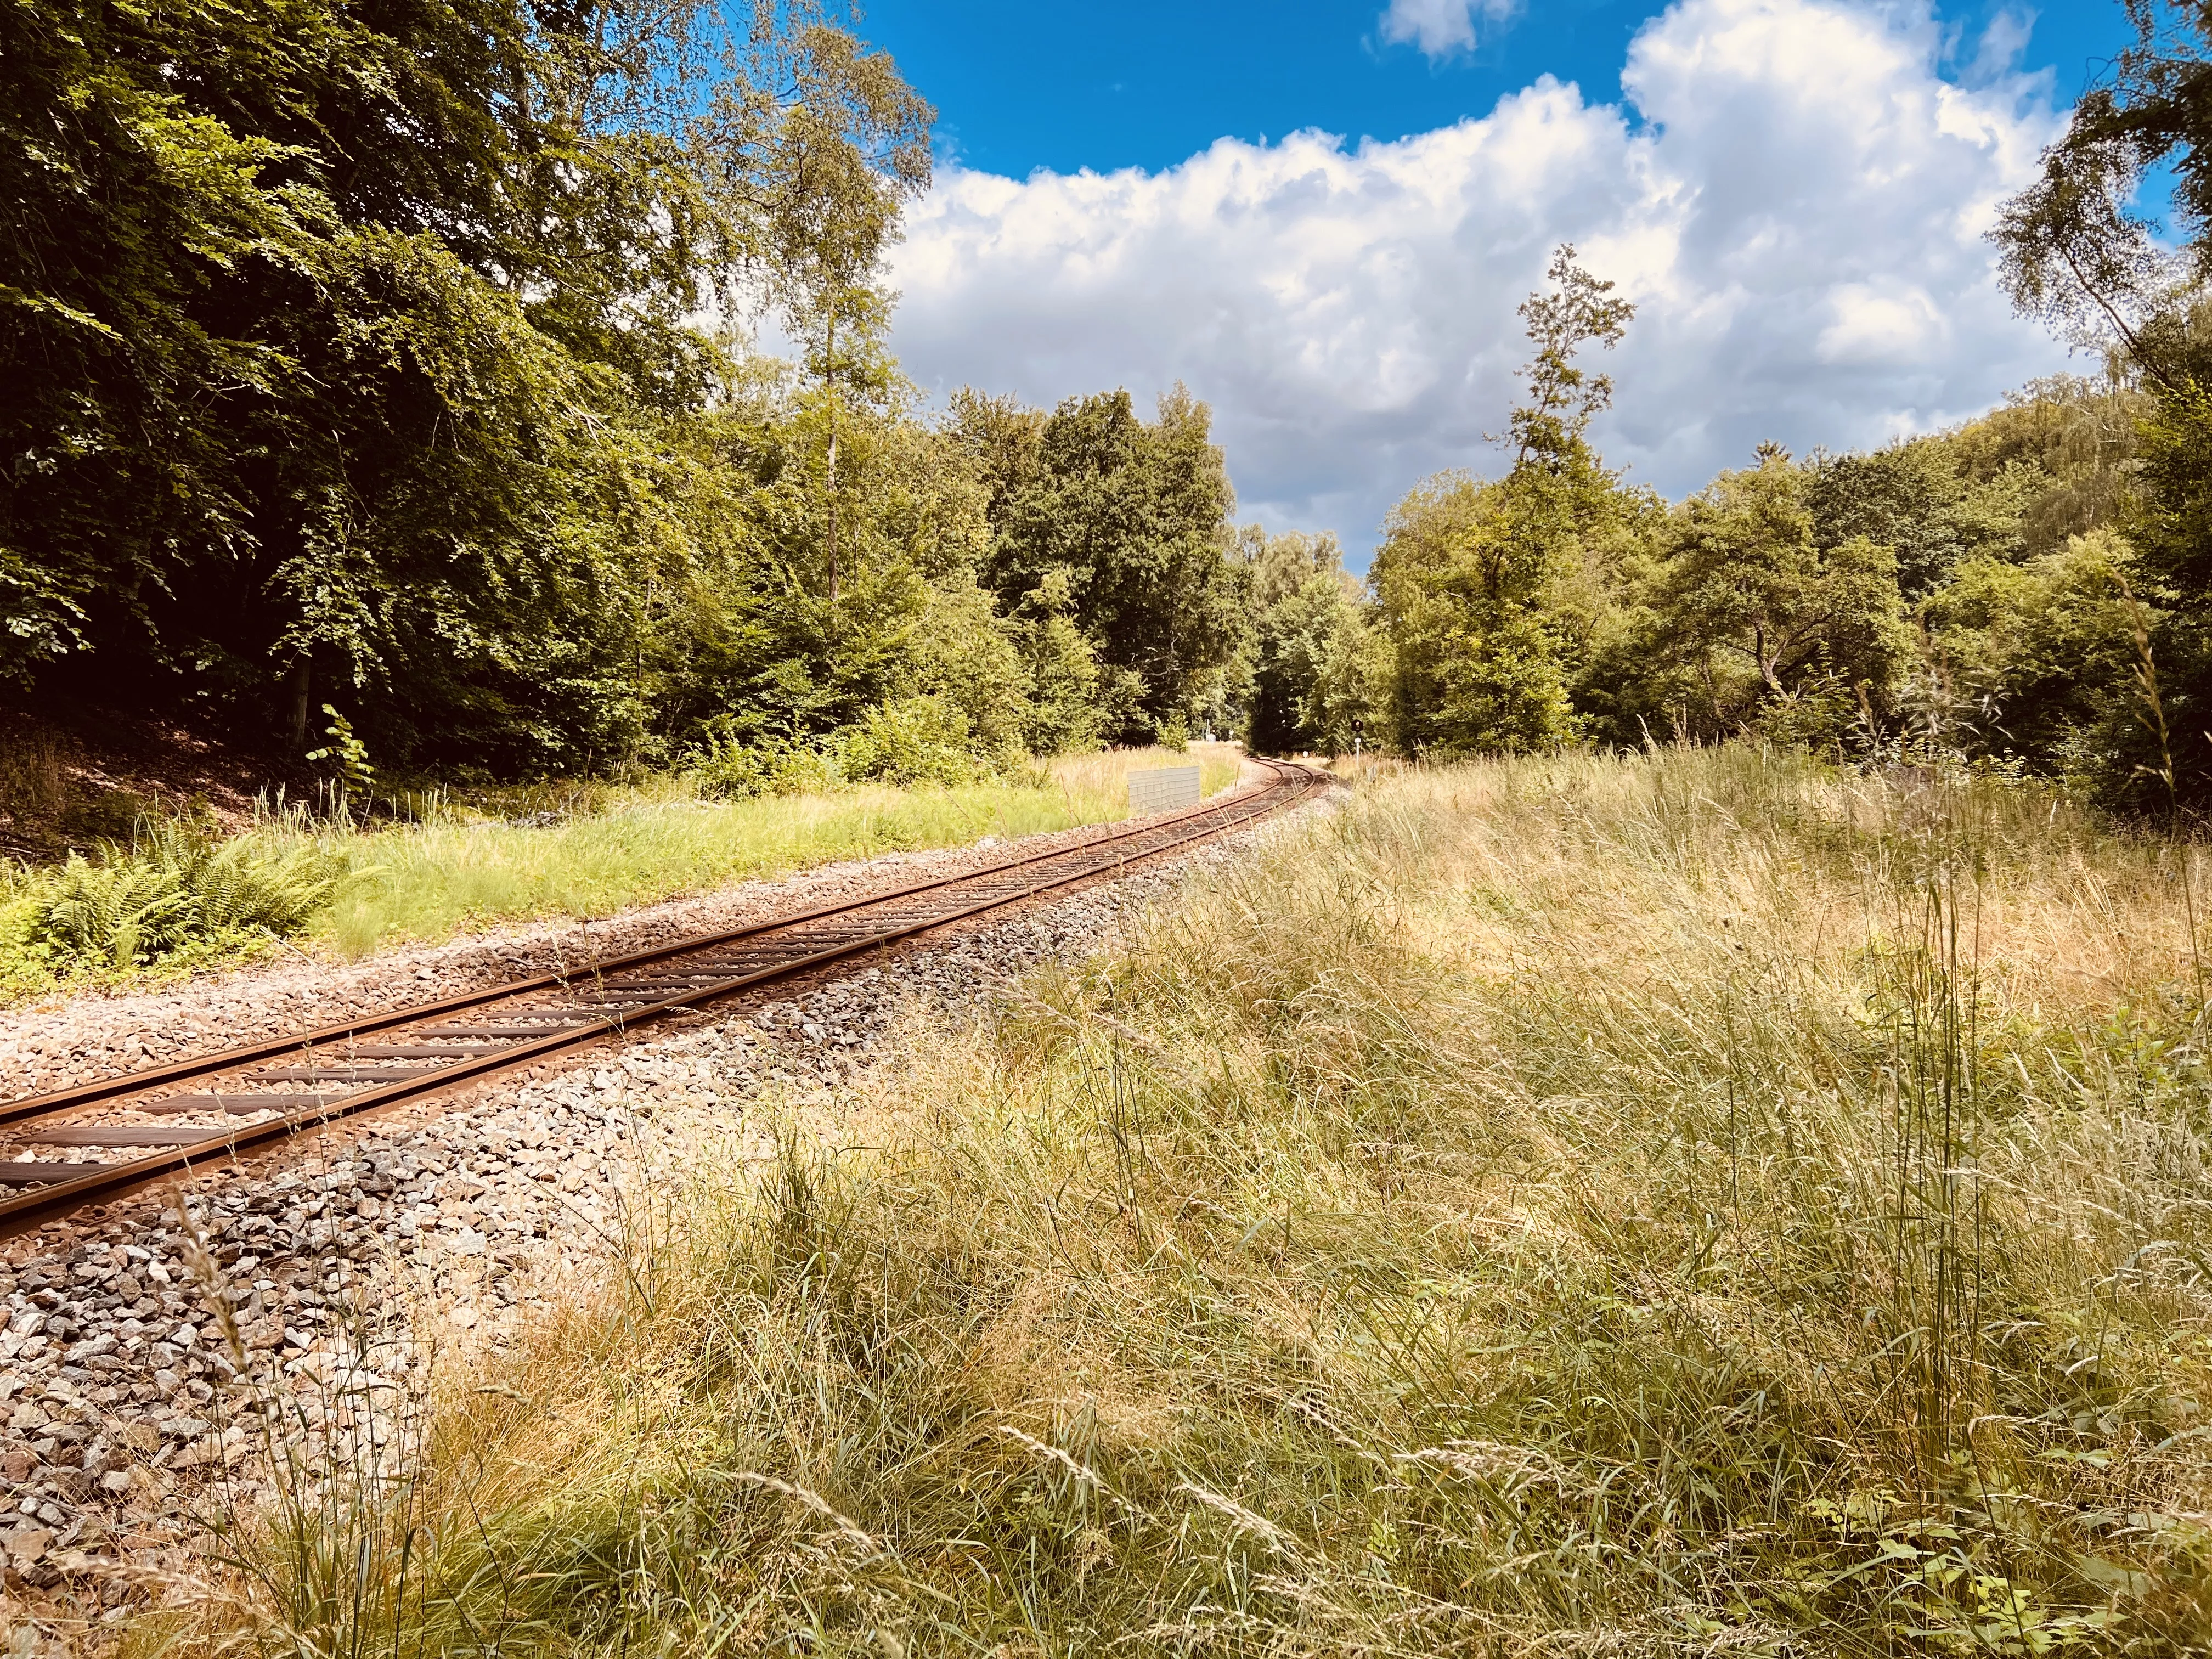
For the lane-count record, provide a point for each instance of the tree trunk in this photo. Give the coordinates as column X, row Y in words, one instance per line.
column 830, row 377
column 300, row 683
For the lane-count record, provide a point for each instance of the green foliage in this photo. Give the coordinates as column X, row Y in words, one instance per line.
column 346, row 753
column 1064, row 712
column 1310, row 661
column 727, row 769
column 970, row 662
column 1123, row 523
column 915, row 740
column 1967, row 593
column 172, row 899
column 2029, row 661
column 1751, row 623
column 2079, row 251
column 1552, row 426
column 918, row 740
column 356, row 354
column 354, row 347
column 2076, row 437
column 1465, row 584
column 2158, row 751
column 117, row 221
column 2172, row 529
column 2050, row 463
column 1473, row 580
column 1902, row 498
column 360, row 350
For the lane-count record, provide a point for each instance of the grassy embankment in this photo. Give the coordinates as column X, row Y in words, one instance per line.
column 352, row 891
column 1684, row 1204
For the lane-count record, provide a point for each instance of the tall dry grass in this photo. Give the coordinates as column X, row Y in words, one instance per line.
column 1697, row 1203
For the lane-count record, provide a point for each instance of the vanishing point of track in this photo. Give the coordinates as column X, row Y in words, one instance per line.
column 263, row 1094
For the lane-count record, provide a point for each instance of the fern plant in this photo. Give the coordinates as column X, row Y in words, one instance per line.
column 173, row 894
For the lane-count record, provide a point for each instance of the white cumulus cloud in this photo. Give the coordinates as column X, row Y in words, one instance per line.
column 1793, row 194
column 1439, row 27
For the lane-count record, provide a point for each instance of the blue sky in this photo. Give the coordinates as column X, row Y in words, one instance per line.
column 1319, row 216
column 1147, row 82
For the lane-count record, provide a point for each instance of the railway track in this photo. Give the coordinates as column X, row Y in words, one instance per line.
column 75, row 1147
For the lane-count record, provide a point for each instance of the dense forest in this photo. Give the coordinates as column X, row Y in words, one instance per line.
column 1972, row 593
column 355, row 354
column 396, row 358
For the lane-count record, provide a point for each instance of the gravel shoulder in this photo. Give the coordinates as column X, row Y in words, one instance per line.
column 147, row 1359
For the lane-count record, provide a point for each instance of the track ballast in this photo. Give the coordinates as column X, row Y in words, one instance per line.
column 169, row 1119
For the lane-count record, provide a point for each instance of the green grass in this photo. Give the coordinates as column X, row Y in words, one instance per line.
column 1691, row 1204
column 603, row 849
column 433, row 881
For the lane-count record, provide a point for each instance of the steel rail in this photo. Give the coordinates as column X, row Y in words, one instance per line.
column 183, row 1071
column 1289, row 784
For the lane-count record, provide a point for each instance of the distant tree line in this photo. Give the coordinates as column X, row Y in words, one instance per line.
column 2032, row 590
column 1977, row 592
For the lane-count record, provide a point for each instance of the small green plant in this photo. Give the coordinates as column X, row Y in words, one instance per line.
column 351, row 755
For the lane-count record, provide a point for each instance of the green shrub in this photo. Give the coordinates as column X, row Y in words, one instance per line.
column 727, row 769
column 914, row 741
column 175, row 896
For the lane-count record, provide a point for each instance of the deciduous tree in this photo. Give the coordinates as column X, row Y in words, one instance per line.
column 1470, row 575
column 352, row 347
column 1129, row 519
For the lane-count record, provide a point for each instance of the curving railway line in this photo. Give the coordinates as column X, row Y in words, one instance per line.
column 77, row 1146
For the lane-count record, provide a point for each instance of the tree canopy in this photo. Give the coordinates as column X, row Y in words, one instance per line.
column 1983, row 592
column 2079, row 253
column 353, row 344
column 396, row 353
column 1127, row 520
